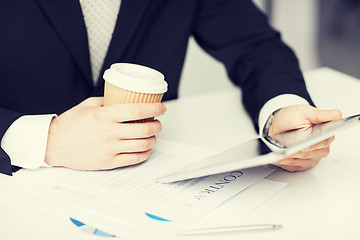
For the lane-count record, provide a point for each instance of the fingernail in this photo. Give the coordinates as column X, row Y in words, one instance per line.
column 164, row 108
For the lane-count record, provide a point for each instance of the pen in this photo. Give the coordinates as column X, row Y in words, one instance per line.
column 238, row 228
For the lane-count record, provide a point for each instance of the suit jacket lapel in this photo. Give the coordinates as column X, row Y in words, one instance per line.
column 130, row 14
column 67, row 19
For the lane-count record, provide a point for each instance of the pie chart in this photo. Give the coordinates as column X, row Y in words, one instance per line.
column 91, row 230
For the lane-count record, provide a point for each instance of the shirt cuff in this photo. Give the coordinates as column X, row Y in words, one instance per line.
column 276, row 103
column 25, row 141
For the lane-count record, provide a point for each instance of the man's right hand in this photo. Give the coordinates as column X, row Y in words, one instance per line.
column 90, row 136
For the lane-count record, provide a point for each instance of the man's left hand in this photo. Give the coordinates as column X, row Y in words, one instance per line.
column 301, row 116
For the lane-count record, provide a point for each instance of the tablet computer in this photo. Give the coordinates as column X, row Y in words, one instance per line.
column 261, row 151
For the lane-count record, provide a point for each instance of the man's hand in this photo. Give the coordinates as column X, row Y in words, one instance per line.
column 300, row 116
column 90, row 136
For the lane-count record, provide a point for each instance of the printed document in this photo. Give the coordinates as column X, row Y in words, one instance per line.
column 132, row 194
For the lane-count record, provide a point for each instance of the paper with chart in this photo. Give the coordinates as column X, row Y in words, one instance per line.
column 133, row 191
column 57, row 219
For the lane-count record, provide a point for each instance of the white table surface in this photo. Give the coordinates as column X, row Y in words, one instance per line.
column 321, row 203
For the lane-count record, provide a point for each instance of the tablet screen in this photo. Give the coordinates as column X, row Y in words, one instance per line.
column 244, row 151
column 249, row 154
column 296, row 140
column 255, row 153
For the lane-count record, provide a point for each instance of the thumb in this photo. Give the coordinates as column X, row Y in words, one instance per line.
column 316, row 116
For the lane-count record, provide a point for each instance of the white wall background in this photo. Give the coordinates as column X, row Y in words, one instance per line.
column 295, row 19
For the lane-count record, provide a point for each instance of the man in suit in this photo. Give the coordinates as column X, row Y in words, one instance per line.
column 52, row 64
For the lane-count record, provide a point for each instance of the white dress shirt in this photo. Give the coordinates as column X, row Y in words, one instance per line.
column 25, row 140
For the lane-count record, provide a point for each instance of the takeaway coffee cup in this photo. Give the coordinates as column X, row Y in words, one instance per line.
column 132, row 83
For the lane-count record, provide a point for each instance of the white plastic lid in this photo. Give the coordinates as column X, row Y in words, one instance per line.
column 136, row 78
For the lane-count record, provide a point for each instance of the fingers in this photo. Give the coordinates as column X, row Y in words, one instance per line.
column 329, row 115
column 306, row 159
column 316, row 116
column 128, row 112
column 314, row 154
column 318, row 153
column 92, row 137
column 133, row 145
column 323, row 144
column 119, row 160
column 297, row 165
column 130, row 159
column 298, row 116
column 137, row 130
column 122, row 154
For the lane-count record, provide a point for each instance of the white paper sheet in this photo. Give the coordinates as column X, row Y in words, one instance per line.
column 58, row 223
column 234, row 210
column 131, row 196
column 136, row 186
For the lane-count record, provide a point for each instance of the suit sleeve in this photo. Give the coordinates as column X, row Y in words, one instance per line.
column 7, row 117
column 237, row 33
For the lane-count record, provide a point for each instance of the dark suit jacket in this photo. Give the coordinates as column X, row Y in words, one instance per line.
column 44, row 56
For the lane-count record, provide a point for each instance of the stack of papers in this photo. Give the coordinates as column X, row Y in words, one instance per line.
column 129, row 203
